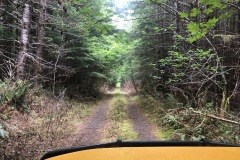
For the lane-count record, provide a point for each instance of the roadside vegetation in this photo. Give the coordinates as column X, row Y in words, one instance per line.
column 48, row 123
column 178, row 122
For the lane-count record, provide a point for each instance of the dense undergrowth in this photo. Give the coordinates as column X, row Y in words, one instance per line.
column 178, row 122
column 13, row 93
column 48, row 124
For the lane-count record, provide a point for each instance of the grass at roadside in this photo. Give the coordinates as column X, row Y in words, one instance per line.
column 50, row 124
column 119, row 125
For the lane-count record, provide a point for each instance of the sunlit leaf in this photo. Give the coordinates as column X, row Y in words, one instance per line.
column 183, row 14
column 195, row 12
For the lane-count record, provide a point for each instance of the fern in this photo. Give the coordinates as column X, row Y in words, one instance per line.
column 13, row 92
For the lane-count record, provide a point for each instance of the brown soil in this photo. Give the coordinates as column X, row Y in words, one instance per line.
column 140, row 122
column 91, row 131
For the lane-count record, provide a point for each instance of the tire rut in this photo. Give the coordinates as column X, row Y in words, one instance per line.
column 91, row 130
column 140, row 122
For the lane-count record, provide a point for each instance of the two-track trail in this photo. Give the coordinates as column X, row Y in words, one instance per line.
column 93, row 129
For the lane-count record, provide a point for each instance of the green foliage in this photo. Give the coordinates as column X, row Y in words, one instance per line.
column 195, row 12
column 199, row 30
column 190, row 61
column 198, row 26
column 95, row 49
column 147, row 1
column 13, row 92
column 183, row 14
column 111, row 51
column 213, row 3
column 84, row 47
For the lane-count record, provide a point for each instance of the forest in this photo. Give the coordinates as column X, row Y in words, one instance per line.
column 177, row 61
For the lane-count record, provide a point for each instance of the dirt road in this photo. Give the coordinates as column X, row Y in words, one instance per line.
column 91, row 131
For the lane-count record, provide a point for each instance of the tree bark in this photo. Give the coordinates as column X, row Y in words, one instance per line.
column 238, row 17
column 24, row 41
column 177, row 20
column 40, row 39
column 132, row 79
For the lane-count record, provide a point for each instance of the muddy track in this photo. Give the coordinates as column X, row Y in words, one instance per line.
column 140, row 122
column 91, row 130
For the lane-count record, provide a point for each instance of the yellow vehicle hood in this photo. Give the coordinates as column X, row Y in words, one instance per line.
column 149, row 150
column 154, row 153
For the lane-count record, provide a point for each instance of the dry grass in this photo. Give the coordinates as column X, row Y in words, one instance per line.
column 50, row 124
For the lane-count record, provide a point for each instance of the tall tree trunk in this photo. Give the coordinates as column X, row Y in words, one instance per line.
column 132, row 78
column 176, row 21
column 40, row 39
column 24, row 41
column 238, row 18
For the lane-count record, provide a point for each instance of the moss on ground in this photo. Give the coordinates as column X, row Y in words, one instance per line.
column 119, row 126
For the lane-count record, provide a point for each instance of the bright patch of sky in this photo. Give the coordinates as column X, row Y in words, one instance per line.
column 121, row 3
column 123, row 19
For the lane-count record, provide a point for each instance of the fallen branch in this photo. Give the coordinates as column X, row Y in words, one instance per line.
column 222, row 119
column 218, row 118
column 200, row 124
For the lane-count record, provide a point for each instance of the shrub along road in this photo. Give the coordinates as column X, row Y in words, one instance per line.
column 98, row 127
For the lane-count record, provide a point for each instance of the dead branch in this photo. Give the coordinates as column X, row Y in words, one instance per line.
column 218, row 118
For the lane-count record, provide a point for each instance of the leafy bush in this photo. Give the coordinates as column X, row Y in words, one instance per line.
column 13, row 92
